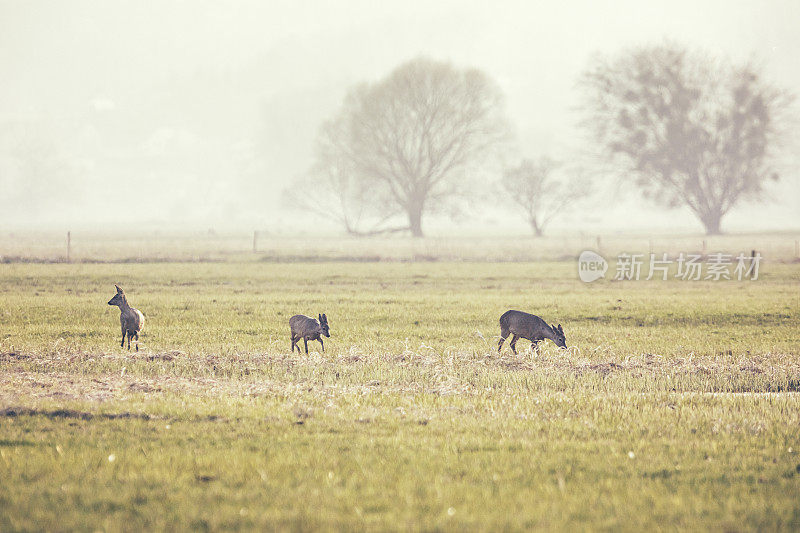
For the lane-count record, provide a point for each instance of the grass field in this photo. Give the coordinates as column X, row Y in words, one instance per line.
column 97, row 246
column 676, row 406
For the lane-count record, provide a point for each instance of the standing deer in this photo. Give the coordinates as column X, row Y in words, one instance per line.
column 131, row 319
column 529, row 327
column 308, row 329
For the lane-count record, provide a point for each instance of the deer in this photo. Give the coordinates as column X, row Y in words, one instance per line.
column 528, row 326
column 308, row 329
column 131, row 319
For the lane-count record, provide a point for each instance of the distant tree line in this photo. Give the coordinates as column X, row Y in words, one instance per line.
column 683, row 128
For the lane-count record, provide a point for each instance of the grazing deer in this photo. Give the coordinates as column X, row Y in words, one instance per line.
column 529, row 327
column 308, row 329
column 131, row 319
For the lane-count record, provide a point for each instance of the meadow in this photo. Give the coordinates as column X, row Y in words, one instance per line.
column 675, row 407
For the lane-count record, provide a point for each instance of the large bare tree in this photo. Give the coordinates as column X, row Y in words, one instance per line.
column 410, row 141
column 687, row 128
column 543, row 189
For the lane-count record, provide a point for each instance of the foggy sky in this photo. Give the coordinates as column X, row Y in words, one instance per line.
column 198, row 114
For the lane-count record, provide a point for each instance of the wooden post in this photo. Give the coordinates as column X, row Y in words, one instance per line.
column 69, row 245
column 255, row 241
column 704, row 247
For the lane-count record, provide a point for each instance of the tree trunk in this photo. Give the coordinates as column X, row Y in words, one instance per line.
column 538, row 230
column 711, row 221
column 415, row 221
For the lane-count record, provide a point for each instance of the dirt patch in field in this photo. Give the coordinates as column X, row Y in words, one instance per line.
column 425, row 371
column 762, row 374
column 143, row 387
column 605, row 368
column 64, row 387
column 739, row 373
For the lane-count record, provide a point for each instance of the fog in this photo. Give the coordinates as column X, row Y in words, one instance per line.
column 194, row 115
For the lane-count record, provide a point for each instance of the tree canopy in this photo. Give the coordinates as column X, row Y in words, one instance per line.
column 406, row 145
column 686, row 128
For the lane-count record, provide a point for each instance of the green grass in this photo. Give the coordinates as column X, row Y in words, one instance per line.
column 674, row 408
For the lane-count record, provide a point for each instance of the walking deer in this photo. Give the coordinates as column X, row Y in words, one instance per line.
column 131, row 319
column 308, row 329
column 529, row 327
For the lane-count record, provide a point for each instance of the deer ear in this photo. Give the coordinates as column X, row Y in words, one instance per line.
column 119, row 291
column 325, row 317
column 320, row 318
column 560, row 328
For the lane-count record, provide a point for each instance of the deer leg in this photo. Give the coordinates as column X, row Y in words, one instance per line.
column 129, row 340
column 305, row 343
column 513, row 343
column 503, row 335
column 323, row 344
column 137, row 341
column 535, row 347
column 293, row 341
column 122, row 344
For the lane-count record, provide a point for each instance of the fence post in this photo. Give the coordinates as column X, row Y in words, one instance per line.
column 704, row 247
column 69, row 245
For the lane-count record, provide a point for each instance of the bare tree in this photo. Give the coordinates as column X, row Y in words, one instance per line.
column 329, row 189
column 332, row 190
column 541, row 190
column 687, row 128
column 410, row 140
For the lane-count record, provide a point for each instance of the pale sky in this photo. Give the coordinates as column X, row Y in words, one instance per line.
column 199, row 113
